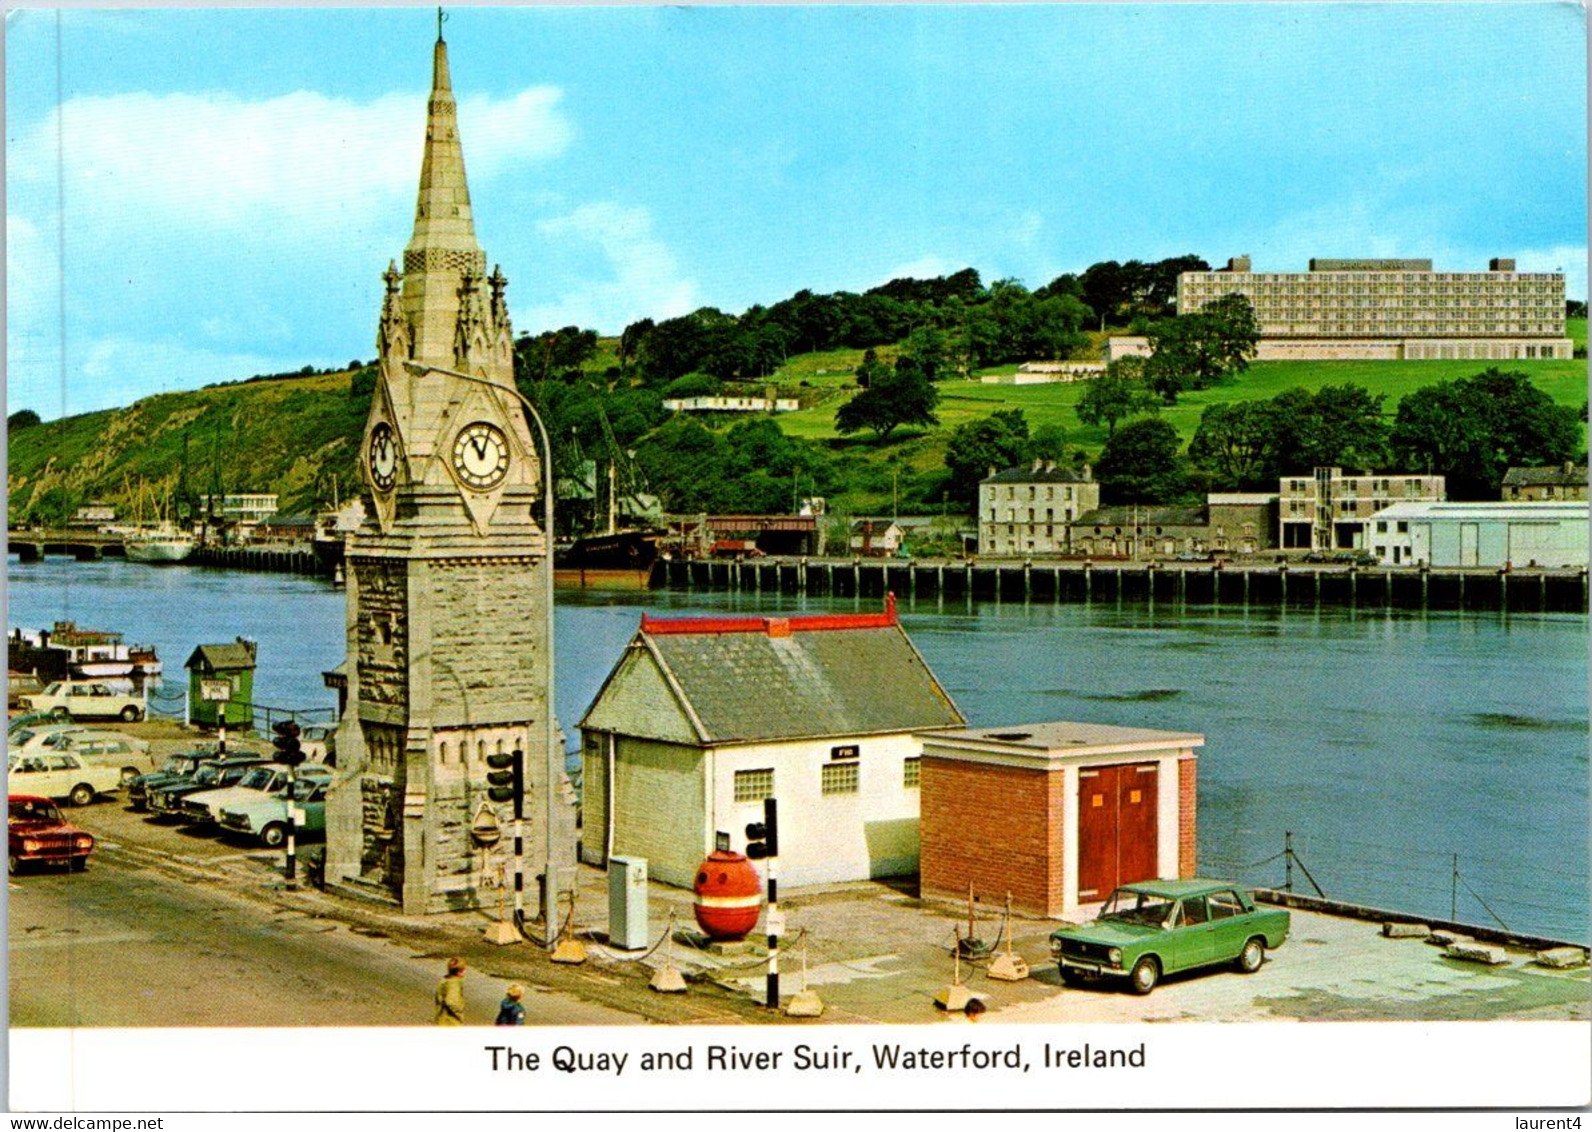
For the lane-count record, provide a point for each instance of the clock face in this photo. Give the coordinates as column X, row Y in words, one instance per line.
column 481, row 456
column 383, row 457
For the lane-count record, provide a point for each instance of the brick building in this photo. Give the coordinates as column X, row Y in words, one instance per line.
column 1057, row 814
column 1329, row 510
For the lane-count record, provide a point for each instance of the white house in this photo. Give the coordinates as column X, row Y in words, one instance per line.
column 1480, row 534
column 702, row 719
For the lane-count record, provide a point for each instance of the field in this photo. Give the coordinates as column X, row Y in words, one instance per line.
column 963, row 401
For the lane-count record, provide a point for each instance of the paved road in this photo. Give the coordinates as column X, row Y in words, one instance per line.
column 199, row 956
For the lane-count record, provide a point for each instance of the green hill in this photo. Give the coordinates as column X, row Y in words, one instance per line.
column 294, row 435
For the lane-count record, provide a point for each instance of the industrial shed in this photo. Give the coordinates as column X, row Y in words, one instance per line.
column 703, row 718
column 1548, row 535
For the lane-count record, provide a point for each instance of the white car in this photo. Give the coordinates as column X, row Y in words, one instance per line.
column 74, row 699
column 205, row 806
column 54, row 775
column 97, row 748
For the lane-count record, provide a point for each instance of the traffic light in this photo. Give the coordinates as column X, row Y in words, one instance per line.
column 505, row 781
column 762, row 837
column 289, row 752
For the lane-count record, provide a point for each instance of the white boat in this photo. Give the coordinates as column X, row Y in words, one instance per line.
column 160, row 546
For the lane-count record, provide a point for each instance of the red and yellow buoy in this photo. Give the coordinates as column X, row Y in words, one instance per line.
column 729, row 896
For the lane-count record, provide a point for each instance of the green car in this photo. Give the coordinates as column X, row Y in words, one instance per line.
column 265, row 818
column 1159, row 927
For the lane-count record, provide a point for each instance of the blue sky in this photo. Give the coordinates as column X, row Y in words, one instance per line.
column 233, row 182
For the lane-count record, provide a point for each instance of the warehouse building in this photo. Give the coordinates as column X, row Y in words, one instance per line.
column 702, row 719
column 1547, row 535
column 1387, row 309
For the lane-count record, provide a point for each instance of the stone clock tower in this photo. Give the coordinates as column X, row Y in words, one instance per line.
column 447, row 615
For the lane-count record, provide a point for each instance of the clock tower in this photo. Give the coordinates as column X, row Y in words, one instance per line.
column 448, row 649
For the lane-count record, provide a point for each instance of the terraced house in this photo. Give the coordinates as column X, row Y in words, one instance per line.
column 1026, row 511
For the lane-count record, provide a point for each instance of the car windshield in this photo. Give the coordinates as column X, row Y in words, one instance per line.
column 207, row 775
column 34, row 810
column 302, row 789
column 257, row 779
column 1136, row 908
column 177, row 764
column 53, row 689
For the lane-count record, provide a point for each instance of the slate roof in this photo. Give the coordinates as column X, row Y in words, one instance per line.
column 1026, row 474
column 240, row 654
column 753, row 679
column 1557, row 475
column 1143, row 517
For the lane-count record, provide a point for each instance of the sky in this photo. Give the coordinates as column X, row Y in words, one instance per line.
column 202, row 195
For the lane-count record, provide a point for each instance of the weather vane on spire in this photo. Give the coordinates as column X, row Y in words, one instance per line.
column 440, row 18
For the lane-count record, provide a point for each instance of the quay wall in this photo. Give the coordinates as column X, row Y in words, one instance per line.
column 1275, row 584
column 277, row 560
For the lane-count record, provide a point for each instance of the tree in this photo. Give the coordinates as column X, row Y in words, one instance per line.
column 871, row 370
column 1472, row 429
column 997, row 441
column 906, row 397
column 21, row 419
column 1140, row 464
column 1049, row 442
column 1338, row 426
column 1115, row 395
column 1195, row 351
column 554, row 353
column 927, row 349
column 1236, row 443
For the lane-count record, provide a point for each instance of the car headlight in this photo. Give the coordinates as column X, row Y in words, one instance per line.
column 1115, row 955
column 1055, row 947
column 30, row 846
column 84, row 842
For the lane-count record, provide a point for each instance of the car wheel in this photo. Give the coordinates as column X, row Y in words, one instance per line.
column 1253, row 955
column 1146, row 973
column 79, row 864
column 130, row 714
column 273, row 835
column 82, row 794
column 13, row 865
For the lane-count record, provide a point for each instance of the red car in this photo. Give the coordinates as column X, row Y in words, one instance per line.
column 37, row 832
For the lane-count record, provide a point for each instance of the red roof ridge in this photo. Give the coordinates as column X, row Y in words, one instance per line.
column 773, row 626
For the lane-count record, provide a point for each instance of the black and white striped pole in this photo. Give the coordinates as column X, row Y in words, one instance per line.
column 762, row 843
column 506, row 782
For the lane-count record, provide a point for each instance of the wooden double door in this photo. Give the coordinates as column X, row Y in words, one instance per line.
column 1118, row 827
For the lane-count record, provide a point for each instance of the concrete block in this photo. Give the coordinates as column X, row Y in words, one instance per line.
column 1395, row 930
column 1488, row 953
column 1563, row 957
column 1443, row 937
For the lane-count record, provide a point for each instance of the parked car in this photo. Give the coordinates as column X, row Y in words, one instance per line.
column 204, row 806
column 73, row 699
column 95, row 747
column 177, row 768
column 36, row 831
column 166, row 800
column 18, row 685
column 1159, row 927
column 266, row 818
column 61, row 776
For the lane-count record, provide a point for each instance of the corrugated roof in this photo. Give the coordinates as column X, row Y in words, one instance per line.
column 1546, row 511
column 797, row 679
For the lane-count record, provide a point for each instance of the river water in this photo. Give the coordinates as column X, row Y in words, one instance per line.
column 1385, row 741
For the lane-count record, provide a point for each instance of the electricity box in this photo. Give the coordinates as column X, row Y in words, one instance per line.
column 627, row 903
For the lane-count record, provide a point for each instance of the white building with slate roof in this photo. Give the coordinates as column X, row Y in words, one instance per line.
column 703, row 718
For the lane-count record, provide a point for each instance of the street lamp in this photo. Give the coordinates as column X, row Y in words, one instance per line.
column 555, row 760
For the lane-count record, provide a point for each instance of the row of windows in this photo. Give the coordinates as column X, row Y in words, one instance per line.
column 1317, row 278
column 1050, row 491
column 838, row 776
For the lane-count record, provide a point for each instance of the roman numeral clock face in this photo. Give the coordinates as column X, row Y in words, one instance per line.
column 481, row 456
column 383, row 457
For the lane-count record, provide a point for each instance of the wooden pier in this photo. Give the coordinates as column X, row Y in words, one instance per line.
column 1281, row 585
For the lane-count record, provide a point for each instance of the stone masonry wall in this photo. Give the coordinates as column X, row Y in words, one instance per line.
column 487, row 620
column 1187, row 856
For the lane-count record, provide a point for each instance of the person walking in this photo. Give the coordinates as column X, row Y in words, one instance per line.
column 510, row 1012
column 450, row 995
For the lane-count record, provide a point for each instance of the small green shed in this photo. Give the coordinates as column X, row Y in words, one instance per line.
column 214, row 669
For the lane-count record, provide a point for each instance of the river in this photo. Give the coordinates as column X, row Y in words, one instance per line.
column 1385, row 741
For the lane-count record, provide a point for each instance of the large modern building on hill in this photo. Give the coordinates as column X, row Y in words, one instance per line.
column 1386, row 309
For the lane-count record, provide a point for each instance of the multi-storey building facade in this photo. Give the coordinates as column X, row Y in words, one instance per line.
column 1392, row 308
column 1332, row 511
column 1027, row 510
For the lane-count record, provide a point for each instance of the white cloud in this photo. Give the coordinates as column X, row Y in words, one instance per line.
column 645, row 282
column 215, row 160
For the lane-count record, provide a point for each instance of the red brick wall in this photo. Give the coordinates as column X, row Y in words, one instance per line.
column 995, row 827
column 1187, row 770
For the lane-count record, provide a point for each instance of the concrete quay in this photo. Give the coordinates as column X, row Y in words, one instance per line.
column 1279, row 585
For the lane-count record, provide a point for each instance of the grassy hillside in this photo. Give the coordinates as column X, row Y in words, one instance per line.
column 289, row 436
